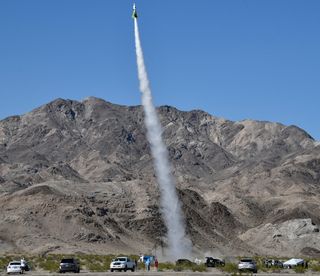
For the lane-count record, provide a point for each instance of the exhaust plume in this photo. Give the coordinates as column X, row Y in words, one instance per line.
column 178, row 243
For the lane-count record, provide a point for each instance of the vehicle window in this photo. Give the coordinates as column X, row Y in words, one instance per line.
column 120, row 260
column 67, row 261
column 15, row 263
column 246, row 261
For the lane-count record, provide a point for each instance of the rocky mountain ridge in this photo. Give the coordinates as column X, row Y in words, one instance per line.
column 78, row 176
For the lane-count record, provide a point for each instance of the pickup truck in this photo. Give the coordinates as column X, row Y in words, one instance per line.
column 122, row 263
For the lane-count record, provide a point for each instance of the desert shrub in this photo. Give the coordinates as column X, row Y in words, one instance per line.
column 166, row 266
column 199, row 268
column 299, row 269
column 4, row 261
column 229, row 268
column 95, row 263
column 192, row 267
column 275, row 269
column 183, row 266
column 50, row 265
column 262, row 267
column 315, row 267
column 97, row 267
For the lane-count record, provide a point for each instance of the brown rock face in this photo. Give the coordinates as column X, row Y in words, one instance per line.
column 78, row 176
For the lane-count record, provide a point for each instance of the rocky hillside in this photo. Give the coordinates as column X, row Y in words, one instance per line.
column 78, row 177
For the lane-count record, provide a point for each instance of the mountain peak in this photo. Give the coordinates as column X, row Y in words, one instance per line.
column 232, row 177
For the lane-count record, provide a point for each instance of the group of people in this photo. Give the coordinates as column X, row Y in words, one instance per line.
column 148, row 260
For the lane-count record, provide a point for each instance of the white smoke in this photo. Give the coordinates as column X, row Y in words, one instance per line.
column 178, row 243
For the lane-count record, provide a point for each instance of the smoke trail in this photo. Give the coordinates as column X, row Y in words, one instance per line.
column 178, row 244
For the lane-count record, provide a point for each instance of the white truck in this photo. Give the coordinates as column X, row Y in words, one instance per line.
column 122, row 263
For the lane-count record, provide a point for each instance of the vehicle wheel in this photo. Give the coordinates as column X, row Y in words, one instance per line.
column 111, row 270
column 133, row 269
column 125, row 269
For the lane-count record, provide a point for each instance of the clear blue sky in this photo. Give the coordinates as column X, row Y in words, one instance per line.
column 241, row 59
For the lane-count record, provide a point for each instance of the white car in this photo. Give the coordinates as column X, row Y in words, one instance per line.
column 122, row 264
column 14, row 267
column 247, row 264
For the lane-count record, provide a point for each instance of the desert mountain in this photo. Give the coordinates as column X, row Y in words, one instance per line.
column 78, row 177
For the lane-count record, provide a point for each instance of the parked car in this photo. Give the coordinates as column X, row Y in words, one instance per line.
column 213, row 262
column 69, row 265
column 184, row 262
column 247, row 265
column 294, row 262
column 14, row 267
column 273, row 263
column 122, row 263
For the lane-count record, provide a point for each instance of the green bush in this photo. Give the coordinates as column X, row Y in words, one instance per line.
column 262, row 267
column 199, row 268
column 49, row 265
column 182, row 267
column 315, row 267
column 229, row 268
column 96, row 263
column 166, row 266
column 299, row 269
column 4, row 261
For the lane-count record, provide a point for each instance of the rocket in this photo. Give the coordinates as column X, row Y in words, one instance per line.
column 134, row 12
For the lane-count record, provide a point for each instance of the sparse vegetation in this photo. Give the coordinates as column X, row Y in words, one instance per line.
column 299, row 269
column 166, row 266
column 4, row 262
column 315, row 267
column 49, row 265
column 192, row 267
column 199, row 268
column 229, row 268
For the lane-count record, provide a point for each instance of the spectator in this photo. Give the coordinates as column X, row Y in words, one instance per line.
column 148, row 264
column 23, row 264
column 141, row 259
column 156, row 264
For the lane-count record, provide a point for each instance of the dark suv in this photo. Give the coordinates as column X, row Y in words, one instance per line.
column 69, row 265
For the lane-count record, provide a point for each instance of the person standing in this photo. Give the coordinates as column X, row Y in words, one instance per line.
column 136, row 264
column 156, row 264
column 148, row 264
column 23, row 264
